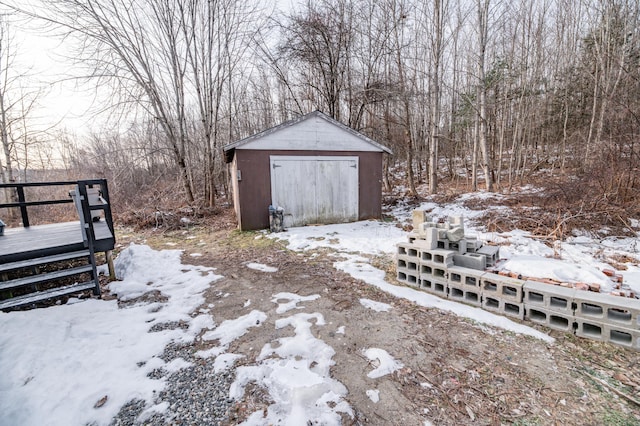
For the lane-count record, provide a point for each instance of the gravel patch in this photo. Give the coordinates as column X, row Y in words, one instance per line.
column 193, row 395
column 171, row 325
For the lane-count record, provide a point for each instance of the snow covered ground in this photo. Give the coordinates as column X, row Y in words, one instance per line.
column 58, row 363
column 79, row 363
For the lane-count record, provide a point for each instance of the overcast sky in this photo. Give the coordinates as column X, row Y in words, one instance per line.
column 70, row 103
column 40, row 59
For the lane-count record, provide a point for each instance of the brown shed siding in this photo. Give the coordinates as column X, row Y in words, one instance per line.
column 254, row 188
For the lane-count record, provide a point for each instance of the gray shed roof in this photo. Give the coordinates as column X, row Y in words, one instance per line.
column 304, row 133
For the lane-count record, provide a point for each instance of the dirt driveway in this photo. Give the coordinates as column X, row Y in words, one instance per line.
column 456, row 371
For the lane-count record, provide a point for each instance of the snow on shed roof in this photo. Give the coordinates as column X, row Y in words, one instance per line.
column 304, row 134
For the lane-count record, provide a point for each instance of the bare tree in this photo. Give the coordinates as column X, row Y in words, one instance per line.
column 609, row 48
column 16, row 107
column 483, row 27
column 220, row 33
column 173, row 59
column 398, row 13
column 435, row 18
column 137, row 46
column 6, row 57
column 320, row 37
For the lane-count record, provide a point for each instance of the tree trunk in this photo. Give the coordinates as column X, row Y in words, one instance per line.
column 483, row 10
column 434, row 129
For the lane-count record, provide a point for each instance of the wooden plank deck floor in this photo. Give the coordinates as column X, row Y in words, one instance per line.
column 44, row 240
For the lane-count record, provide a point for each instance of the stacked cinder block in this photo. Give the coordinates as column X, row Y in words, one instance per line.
column 408, row 261
column 503, row 295
column 551, row 306
column 465, row 285
column 440, row 259
column 608, row 318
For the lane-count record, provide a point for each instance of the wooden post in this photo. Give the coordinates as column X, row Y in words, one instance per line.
column 23, row 207
column 112, row 271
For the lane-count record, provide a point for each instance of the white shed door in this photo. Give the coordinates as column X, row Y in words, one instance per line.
column 315, row 189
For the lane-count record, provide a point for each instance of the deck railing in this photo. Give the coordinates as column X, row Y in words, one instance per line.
column 23, row 204
column 85, row 207
column 90, row 198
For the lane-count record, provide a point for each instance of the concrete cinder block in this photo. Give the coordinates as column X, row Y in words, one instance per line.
column 604, row 332
column 460, row 247
column 456, row 221
column 491, row 303
column 426, row 270
column 615, row 310
column 401, row 249
column 515, row 310
column 419, row 217
column 435, row 286
column 470, row 260
column 440, row 273
column 473, row 244
column 443, row 244
column 491, row 254
column 504, row 288
column 426, row 283
column 467, row 277
column 426, row 256
column 412, row 237
column 503, row 307
column 550, row 297
column 430, row 272
column 465, row 294
column 540, row 314
column 428, row 238
column 409, row 277
column 410, row 264
column 455, row 234
column 438, row 257
column 406, row 250
column 590, row 329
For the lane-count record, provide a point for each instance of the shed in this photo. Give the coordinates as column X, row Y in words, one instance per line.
column 316, row 168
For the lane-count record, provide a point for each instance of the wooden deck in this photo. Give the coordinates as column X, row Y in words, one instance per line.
column 44, row 240
column 43, row 262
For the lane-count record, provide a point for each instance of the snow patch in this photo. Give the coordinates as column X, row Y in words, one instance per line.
column 296, row 374
column 261, row 267
column 176, row 365
column 293, row 300
column 95, row 349
column 376, row 306
column 632, row 279
column 359, row 268
column 366, row 237
column 230, row 330
column 374, row 395
column 384, row 363
column 562, row 271
column 225, row 361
